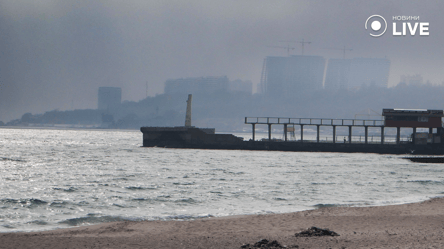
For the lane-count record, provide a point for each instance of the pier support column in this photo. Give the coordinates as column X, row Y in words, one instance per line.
column 382, row 135
column 334, row 134
column 350, row 134
column 285, row 132
column 414, row 135
column 254, row 129
column 269, row 132
column 302, row 133
column 318, row 133
column 398, row 135
column 366, row 134
column 430, row 130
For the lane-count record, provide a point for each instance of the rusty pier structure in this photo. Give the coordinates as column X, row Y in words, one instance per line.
column 318, row 122
column 392, row 118
column 421, row 143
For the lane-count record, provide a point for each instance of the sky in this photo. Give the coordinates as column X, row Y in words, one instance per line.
column 54, row 54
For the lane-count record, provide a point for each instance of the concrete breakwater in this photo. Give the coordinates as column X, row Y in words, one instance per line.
column 192, row 137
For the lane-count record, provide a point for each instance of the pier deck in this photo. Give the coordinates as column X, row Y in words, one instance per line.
column 318, row 122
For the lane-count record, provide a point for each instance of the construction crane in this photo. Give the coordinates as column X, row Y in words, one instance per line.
column 343, row 50
column 288, row 48
column 301, row 42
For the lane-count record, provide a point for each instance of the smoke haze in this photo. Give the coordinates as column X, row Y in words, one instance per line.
column 55, row 54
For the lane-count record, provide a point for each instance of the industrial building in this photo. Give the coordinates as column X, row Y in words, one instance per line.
column 354, row 73
column 286, row 76
column 109, row 98
column 416, row 118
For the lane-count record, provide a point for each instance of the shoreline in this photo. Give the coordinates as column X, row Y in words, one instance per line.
column 414, row 225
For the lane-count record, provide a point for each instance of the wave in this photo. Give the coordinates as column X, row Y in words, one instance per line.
column 35, row 203
column 183, row 183
column 166, row 198
column 182, row 217
column 141, row 188
column 279, row 199
column 93, row 219
column 11, row 159
column 330, row 205
column 186, row 200
column 38, row 222
column 427, row 182
column 29, row 202
column 323, row 183
column 70, row 189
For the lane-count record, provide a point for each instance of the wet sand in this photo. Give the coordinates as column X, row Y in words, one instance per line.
column 417, row 225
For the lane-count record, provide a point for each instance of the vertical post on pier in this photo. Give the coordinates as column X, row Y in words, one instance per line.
column 269, row 132
column 430, row 130
column 285, row 132
column 349, row 134
column 382, row 134
column 366, row 134
column 334, row 134
column 302, row 133
column 414, row 135
column 254, row 130
column 188, row 114
column 398, row 135
column 318, row 131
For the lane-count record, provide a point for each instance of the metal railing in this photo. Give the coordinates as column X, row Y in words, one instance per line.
column 314, row 121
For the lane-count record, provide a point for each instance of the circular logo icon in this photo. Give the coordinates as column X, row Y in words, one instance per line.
column 377, row 23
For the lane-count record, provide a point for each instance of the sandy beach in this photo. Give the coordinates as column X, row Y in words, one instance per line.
column 417, row 225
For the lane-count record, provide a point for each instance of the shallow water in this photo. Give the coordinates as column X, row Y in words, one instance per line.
column 61, row 178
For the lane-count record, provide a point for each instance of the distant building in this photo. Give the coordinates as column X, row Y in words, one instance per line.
column 204, row 85
column 109, row 98
column 241, row 86
column 286, row 76
column 338, row 73
column 415, row 80
column 354, row 73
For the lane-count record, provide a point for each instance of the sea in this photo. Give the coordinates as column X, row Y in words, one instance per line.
column 60, row 178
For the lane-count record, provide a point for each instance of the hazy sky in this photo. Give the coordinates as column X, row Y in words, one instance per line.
column 56, row 53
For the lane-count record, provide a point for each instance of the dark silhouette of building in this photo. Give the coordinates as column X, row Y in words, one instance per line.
column 286, row 76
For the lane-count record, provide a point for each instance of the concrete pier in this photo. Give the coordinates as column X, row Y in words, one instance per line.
column 302, row 133
column 382, row 135
column 269, row 131
column 285, row 131
column 349, row 134
column 334, row 133
column 317, row 133
column 353, row 125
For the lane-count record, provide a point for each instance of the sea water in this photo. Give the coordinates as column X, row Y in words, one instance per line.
column 53, row 179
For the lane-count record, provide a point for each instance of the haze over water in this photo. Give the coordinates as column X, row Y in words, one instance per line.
column 61, row 178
